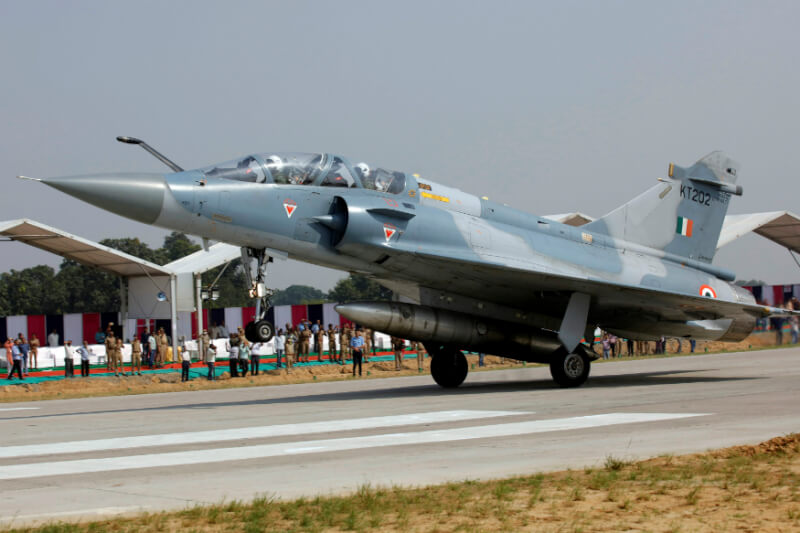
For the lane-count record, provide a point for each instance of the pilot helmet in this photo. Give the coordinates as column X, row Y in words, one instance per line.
column 362, row 169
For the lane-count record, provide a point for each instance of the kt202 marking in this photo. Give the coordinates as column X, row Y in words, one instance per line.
column 695, row 195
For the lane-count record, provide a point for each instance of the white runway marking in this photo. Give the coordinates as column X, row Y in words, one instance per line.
column 18, row 408
column 283, row 430
column 219, row 455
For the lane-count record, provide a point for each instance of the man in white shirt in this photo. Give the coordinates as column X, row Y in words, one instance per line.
column 52, row 339
column 69, row 364
column 186, row 362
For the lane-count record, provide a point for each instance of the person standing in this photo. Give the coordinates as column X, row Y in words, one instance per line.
column 357, row 345
column 606, row 346
column 255, row 361
column 162, row 347
column 630, row 348
column 52, row 339
column 210, row 358
column 244, row 355
column 345, row 345
column 136, row 356
column 69, row 360
column 111, row 347
column 9, row 346
column 120, row 368
column 291, row 349
column 397, row 346
column 420, row 349
column 152, row 348
column 16, row 358
column 331, row 333
column 305, row 341
column 319, row 340
column 612, row 340
column 34, row 351
column 233, row 356
column 367, row 344
column 83, row 351
column 279, row 344
column 24, row 347
column 186, row 363
column 145, row 345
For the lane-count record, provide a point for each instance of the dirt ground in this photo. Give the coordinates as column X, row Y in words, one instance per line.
column 170, row 382
column 745, row 488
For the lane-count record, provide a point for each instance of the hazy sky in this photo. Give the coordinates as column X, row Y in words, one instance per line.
column 549, row 107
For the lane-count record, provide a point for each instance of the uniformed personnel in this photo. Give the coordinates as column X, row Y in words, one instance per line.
column 162, row 346
column 331, row 344
column 420, row 349
column 111, row 348
column 319, row 341
column 118, row 358
column 291, row 350
column 345, row 345
column 305, row 341
column 136, row 356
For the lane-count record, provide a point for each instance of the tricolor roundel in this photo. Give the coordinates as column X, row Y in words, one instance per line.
column 684, row 227
column 389, row 231
column 707, row 291
column 290, row 206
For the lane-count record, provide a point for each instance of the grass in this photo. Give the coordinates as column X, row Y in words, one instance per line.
column 753, row 488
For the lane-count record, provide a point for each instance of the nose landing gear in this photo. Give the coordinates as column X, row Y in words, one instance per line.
column 260, row 329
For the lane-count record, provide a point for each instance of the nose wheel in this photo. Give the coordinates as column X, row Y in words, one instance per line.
column 260, row 329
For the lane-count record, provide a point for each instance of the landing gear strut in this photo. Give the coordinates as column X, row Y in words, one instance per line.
column 260, row 329
column 448, row 367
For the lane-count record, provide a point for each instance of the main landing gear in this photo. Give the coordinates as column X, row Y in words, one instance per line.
column 260, row 329
column 570, row 369
column 448, row 367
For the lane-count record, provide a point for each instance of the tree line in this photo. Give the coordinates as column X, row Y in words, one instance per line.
column 75, row 288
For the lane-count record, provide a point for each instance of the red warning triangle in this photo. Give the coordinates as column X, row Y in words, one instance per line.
column 389, row 231
column 289, row 206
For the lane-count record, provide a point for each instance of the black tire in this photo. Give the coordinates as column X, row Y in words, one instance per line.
column 449, row 368
column 263, row 331
column 570, row 369
column 250, row 331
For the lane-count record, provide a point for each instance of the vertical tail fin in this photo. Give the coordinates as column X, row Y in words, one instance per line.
column 682, row 215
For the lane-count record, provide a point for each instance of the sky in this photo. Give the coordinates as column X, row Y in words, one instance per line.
column 550, row 107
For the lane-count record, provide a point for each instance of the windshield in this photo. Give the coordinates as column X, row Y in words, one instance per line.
column 384, row 180
column 245, row 169
column 294, row 169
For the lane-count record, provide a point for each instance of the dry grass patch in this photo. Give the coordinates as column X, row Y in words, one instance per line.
column 745, row 488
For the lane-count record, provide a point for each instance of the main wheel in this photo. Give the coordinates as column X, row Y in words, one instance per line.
column 449, row 367
column 569, row 369
column 263, row 331
column 250, row 331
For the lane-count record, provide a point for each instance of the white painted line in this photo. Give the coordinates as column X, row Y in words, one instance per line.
column 248, row 453
column 259, row 432
column 18, row 408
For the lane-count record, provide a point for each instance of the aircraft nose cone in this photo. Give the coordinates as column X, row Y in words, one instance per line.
column 138, row 196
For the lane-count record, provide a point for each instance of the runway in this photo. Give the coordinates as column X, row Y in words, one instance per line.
column 98, row 457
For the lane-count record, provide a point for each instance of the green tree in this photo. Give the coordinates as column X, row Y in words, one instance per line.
column 177, row 245
column 358, row 287
column 31, row 291
column 298, row 294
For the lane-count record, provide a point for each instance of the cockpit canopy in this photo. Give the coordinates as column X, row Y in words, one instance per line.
column 324, row 170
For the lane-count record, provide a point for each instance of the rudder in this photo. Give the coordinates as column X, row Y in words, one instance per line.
column 682, row 215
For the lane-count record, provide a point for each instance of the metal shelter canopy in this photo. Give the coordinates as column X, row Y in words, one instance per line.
column 781, row 227
column 78, row 249
column 202, row 261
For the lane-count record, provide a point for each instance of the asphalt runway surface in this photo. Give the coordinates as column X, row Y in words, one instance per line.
column 99, row 457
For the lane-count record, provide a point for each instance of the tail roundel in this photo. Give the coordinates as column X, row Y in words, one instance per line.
column 683, row 214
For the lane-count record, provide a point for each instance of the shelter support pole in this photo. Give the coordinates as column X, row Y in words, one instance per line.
column 198, row 284
column 123, row 311
column 173, row 314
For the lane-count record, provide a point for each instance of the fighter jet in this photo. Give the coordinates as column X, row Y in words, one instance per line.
column 469, row 274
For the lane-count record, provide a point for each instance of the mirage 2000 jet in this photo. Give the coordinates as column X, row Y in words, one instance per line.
column 482, row 276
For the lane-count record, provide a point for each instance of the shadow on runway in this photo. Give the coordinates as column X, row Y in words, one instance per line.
column 668, row 377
